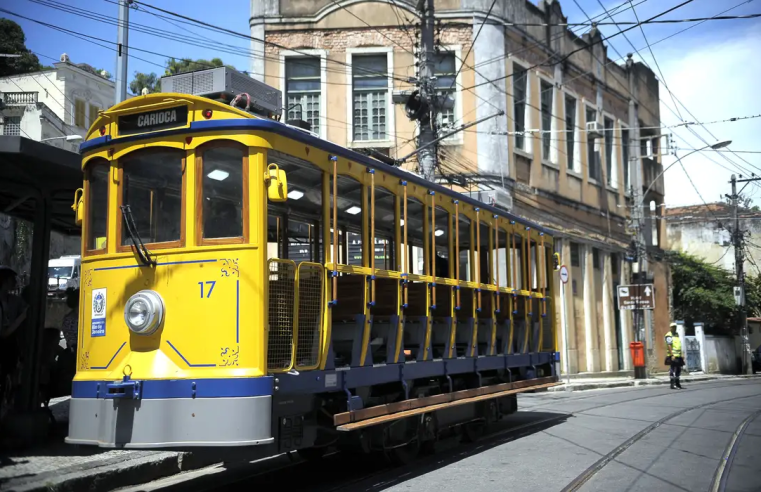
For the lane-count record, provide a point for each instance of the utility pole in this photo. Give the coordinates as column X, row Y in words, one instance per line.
column 635, row 163
column 122, row 39
column 427, row 115
column 737, row 241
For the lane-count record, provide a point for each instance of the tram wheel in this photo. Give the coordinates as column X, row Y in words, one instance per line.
column 472, row 431
column 404, row 455
column 312, row 454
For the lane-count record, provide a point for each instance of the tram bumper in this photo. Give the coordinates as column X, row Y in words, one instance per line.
column 136, row 419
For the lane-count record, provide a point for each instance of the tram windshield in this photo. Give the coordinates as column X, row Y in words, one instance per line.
column 152, row 187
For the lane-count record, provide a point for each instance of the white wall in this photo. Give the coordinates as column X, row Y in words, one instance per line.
column 720, row 354
column 59, row 88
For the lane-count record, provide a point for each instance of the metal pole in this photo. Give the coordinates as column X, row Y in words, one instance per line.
column 737, row 239
column 564, row 327
column 428, row 127
column 121, row 51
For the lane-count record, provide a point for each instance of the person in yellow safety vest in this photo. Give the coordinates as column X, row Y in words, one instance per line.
column 674, row 360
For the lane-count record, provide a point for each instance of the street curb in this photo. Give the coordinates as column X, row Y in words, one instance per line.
column 644, row 382
column 102, row 478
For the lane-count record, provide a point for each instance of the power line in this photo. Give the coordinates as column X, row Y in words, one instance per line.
column 470, row 48
column 264, row 41
column 602, row 38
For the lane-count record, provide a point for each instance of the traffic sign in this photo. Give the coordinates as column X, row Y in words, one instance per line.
column 564, row 274
column 641, row 296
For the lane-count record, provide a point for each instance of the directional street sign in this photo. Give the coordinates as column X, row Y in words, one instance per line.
column 636, row 297
column 564, row 274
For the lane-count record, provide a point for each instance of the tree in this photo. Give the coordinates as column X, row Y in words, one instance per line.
column 104, row 73
column 144, row 81
column 12, row 42
column 173, row 67
column 704, row 292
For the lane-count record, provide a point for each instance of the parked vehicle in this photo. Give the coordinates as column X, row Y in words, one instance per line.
column 63, row 273
column 755, row 358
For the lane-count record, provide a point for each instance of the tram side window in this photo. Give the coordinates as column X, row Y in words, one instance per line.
column 441, row 235
column 484, row 262
column 97, row 204
column 500, row 258
column 222, row 171
column 384, row 229
column 350, row 208
column 516, row 261
column 414, row 247
column 152, row 187
column 465, row 257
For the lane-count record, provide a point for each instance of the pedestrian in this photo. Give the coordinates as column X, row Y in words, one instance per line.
column 71, row 319
column 674, row 359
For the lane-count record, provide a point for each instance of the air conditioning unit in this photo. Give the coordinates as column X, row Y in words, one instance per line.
column 593, row 130
column 498, row 198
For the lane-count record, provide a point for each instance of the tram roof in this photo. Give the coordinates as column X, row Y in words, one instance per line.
column 303, row 137
column 28, row 167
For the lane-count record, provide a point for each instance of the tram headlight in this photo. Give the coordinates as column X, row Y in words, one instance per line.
column 144, row 312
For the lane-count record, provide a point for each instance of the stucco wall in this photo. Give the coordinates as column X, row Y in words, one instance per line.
column 720, row 355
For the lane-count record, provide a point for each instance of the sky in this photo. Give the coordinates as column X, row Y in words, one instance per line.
column 712, row 68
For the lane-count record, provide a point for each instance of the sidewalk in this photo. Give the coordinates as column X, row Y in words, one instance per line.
column 580, row 384
column 62, row 467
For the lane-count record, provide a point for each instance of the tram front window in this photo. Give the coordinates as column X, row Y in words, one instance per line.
column 152, row 187
column 97, row 204
column 223, row 187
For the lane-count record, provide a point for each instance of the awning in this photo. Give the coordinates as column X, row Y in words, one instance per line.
column 28, row 167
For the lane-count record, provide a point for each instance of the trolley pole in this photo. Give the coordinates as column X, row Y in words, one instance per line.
column 428, row 122
column 122, row 40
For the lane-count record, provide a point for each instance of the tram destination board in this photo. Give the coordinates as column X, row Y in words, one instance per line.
column 639, row 296
column 162, row 119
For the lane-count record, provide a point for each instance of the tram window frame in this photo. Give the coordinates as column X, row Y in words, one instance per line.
column 244, row 212
column 97, row 162
column 122, row 248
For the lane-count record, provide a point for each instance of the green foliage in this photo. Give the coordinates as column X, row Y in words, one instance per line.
column 174, row 66
column 704, row 292
column 12, row 42
column 107, row 75
column 144, row 81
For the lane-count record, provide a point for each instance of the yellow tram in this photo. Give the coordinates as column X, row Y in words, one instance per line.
column 245, row 282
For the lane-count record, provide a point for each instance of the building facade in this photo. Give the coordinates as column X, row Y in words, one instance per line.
column 50, row 104
column 340, row 62
column 54, row 103
column 703, row 231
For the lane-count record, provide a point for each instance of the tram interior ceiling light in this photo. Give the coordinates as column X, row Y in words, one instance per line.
column 218, row 175
column 354, row 210
column 439, row 232
column 295, row 194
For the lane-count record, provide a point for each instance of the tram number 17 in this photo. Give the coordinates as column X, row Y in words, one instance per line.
column 208, row 292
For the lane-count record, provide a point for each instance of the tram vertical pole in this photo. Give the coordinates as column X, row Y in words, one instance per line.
column 122, row 43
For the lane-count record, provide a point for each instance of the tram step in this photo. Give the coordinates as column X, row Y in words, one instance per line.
column 358, row 419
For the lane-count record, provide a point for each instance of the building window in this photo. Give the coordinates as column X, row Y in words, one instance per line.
column 614, row 264
column 593, row 160
column 93, row 114
column 79, row 113
column 12, row 126
column 445, row 70
column 570, row 134
column 546, row 102
column 575, row 258
column 596, row 258
column 370, row 101
column 609, row 167
column 302, row 87
column 625, row 154
column 520, row 91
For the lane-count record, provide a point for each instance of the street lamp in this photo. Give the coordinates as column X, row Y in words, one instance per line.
column 69, row 138
column 716, row 146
